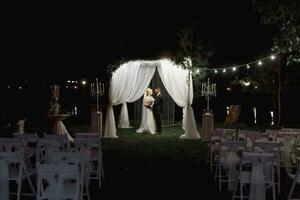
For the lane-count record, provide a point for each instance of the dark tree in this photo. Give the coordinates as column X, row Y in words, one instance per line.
column 284, row 16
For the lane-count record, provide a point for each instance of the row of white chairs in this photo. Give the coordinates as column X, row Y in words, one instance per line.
column 227, row 153
column 287, row 140
column 45, row 147
column 229, row 156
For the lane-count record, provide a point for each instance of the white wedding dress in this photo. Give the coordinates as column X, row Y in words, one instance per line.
column 148, row 122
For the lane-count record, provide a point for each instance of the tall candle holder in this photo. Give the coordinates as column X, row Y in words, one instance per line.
column 97, row 90
column 208, row 90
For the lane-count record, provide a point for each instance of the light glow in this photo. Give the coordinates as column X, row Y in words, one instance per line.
column 272, row 57
column 254, row 111
column 259, row 63
column 246, row 83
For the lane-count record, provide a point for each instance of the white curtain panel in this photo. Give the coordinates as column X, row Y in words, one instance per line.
column 130, row 81
column 180, row 87
column 128, row 84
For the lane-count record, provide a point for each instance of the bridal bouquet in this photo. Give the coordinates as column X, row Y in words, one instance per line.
column 148, row 102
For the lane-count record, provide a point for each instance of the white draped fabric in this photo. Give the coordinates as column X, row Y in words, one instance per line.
column 130, row 81
column 128, row 84
column 124, row 118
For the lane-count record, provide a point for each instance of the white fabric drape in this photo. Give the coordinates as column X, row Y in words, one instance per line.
column 4, row 183
column 128, row 84
column 180, row 87
column 124, row 118
column 257, row 188
column 131, row 80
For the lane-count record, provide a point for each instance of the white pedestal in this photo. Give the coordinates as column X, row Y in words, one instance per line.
column 207, row 126
column 58, row 126
column 97, row 123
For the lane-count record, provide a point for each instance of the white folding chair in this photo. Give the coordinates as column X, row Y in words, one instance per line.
column 44, row 146
column 257, row 170
column 296, row 180
column 243, row 133
column 30, row 141
column 75, row 158
column 63, row 138
column 270, row 147
column 252, row 137
column 296, row 130
column 93, row 146
column 228, row 159
column 18, row 172
column 273, row 133
column 87, row 135
column 218, row 135
column 16, row 144
column 287, row 140
column 58, row 181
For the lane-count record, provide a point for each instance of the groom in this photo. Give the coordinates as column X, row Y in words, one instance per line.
column 157, row 108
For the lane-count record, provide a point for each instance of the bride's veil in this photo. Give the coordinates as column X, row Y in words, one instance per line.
column 143, row 119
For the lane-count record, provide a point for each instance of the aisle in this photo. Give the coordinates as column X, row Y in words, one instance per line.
column 156, row 165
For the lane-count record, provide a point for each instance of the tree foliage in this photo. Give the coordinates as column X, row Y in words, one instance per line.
column 192, row 47
column 194, row 54
column 284, row 15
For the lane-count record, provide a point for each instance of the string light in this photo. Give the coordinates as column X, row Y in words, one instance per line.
column 246, row 65
column 259, row 63
column 198, row 71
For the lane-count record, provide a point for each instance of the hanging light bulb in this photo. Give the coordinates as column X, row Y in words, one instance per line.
column 216, row 71
column 248, row 66
column 259, row 63
column 272, row 57
column 234, row 68
column 224, row 70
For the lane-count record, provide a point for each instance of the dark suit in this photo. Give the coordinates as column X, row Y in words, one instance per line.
column 157, row 110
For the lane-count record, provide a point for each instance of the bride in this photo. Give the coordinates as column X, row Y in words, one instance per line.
column 148, row 122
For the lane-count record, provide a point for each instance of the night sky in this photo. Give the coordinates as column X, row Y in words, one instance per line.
column 75, row 41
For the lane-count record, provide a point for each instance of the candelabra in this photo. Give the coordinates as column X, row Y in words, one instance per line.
column 208, row 90
column 97, row 90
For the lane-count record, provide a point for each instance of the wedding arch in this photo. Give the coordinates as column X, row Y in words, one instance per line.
column 130, row 81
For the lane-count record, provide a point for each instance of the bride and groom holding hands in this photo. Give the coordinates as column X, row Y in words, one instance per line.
column 151, row 117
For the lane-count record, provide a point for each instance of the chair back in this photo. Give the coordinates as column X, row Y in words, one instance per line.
column 27, row 137
column 233, row 146
column 58, row 181
column 87, row 135
column 266, row 147
column 44, row 146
